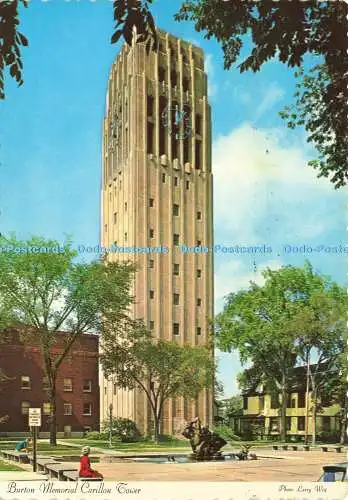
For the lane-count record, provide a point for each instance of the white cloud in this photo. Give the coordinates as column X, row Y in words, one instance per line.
column 263, row 185
column 210, row 70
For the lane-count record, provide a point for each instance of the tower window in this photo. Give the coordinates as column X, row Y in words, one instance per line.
column 199, row 243
column 176, row 269
column 174, row 78
column 198, row 159
column 162, row 128
column 199, row 215
column 150, row 130
column 152, row 294
column 115, row 217
column 151, row 263
column 150, row 105
column 187, row 184
column 176, row 180
column 106, row 228
column 125, row 206
column 185, row 84
column 161, row 74
column 186, row 150
column 199, row 302
column 152, row 325
column 199, row 330
column 175, row 209
column 198, row 124
column 176, row 299
column 151, row 233
column 125, row 236
column 163, row 177
column 174, row 147
column 151, row 202
column 176, row 329
column 176, row 239
column 199, row 273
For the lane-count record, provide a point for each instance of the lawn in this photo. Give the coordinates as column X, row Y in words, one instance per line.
column 42, row 448
column 4, row 466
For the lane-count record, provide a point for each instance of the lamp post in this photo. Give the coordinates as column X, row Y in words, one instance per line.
column 110, row 425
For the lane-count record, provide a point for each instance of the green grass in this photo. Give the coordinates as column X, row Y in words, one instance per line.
column 4, row 466
column 42, row 448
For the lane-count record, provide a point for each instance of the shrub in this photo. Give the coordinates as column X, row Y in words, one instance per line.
column 122, row 428
column 97, row 436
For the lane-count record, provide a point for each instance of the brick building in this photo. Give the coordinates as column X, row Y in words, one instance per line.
column 77, row 387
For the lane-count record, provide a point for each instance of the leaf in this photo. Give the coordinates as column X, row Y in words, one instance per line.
column 116, row 36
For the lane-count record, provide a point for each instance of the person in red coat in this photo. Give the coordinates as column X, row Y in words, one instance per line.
column 85, row 465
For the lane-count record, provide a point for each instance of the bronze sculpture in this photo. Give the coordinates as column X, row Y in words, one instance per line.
column 205, row 444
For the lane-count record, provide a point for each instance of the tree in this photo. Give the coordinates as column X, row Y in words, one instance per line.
column 44, row 293
column 289, row 31
column 160, row 369
column 273, row 325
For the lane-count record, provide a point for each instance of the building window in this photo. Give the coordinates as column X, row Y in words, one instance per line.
column 152, row 294
column 199, row 273
column 174, row 146
column 274, row 401
column 163, row 132
column 87, row 409
column 176, row 239
column 187, row 184
column 262, row 403
column 152, row 325
column 150, row 102
column 199, row 302
column 288, row 423
column 301, row 401
column 176, row 299
column 199, row 215
column 176, row 181
column 176, row 269
column 125, row 236
column 176, row 329
column 301, row 423
column 163, row 177
column 115, row 389
column 115, row 217
column 198, row 124
column 274, row 424
column 174, row 78
column 161, row 74
column 150, row 133
column 151, row 263
column 198, row 156
column 25, row 382
column 25, row 405
column 87, row 385
column 185, row 84
column 175, row 209
column 46, row 408
column 151, row 202
column 67, row 385
column 325, row 423
column 245, row 402
column 293, row 402
column 151, row 233
column 199, row 330
column 186, row 150
column 67, row 409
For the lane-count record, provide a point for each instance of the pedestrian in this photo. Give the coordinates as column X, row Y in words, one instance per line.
column 85, row 465
column 24, row 446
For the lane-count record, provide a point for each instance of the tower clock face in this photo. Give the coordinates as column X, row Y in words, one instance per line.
column 177, row 121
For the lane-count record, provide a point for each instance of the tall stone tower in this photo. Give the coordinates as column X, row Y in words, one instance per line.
column 157, row 193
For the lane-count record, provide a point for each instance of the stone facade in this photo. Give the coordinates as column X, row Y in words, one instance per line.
column 157, row 192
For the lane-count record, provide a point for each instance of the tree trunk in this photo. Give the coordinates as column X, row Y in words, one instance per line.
column 284, row 394
column 53, row 416
column 314, row 420
column 307, row 401
column 343, row 427
column 157, row 428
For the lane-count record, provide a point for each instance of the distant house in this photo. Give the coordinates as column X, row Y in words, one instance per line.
column 77, row 386
column 261, row 410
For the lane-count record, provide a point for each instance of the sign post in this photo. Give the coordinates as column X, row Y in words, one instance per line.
column 34, row 423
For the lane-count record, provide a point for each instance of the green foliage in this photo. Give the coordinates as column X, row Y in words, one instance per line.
column 97, row 436
column 11, row 41
column 289, row 31
column 226, row 433
column 130, row 14
column 43, row 291
column 161, row 369
column 122, row 428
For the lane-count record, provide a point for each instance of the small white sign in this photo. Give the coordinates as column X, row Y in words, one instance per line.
column 34, row 417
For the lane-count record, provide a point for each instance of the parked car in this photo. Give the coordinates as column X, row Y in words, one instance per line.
column 334, row 473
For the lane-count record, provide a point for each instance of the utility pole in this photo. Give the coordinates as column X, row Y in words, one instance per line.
column 110, row 425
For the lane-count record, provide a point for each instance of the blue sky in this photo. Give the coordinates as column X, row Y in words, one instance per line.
column 50, row 138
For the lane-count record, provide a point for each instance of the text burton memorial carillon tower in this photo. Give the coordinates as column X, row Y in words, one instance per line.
column 157, row 192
